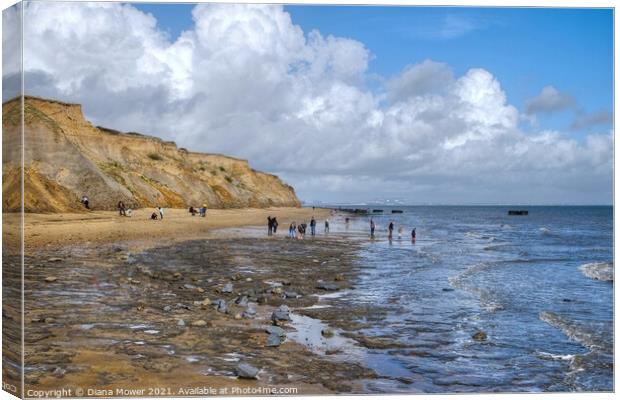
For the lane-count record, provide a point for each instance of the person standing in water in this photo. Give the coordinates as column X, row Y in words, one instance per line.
column 269, row 225
column 326, row 226
column 413, row 236
column 274, row 222
column 390, row 229
column 400, row 232
column 372, row 228
column 312, row 226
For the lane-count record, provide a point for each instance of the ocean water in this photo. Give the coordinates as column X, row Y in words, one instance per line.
column 540, row 287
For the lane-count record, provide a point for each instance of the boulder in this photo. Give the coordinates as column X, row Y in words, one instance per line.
column 276, row 330
column 327, row 333
column 246, row 371
column 221, row 306
column 479, row 336
column 274, row 340
column 281, row 314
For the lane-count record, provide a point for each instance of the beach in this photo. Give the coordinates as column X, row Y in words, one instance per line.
column 481, row 302
column 98, row 227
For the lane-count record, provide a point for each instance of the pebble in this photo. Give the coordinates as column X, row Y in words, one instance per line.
column 246, row 371
column 276, row 290
column 51, row 279
column 327, row 333
column 200, row 322
column 180, row 323
column 200, row 290
column 248, row 279
column 228, row 288
column 339, row 277
column 291, row 295
column 54, row 259
column 327, row 286
column 221, row 306
column 249, row 312
column 189, row 286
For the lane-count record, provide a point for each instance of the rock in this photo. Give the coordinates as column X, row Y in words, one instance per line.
column 339, row 277
column 200, row 290
column 51, row 279
column 327, row 286
column 203, row 303
column 238, row 316
column 276, row 330
column 480, row 336
column 133, row 281
column 228, row 288
column 200, row 322
column 327, row 333
column 248, row 279
column 180, row 323
column 49, row 320
column 176, row 275
column 285, row 282
column 140, row 307
column 59, row 372
column 447, row 289
column 246, row 371
column 189, row 286
column 249, row 312
column 261, row 299
column 167, row 308
column 281, row 314
column 54, row 259
column 276, row 290
column 242, row 301
column 566, row 300
column 274, row 340
column 221, row 306
column 291, row 295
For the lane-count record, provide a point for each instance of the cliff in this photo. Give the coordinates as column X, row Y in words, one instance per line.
column 65, row 157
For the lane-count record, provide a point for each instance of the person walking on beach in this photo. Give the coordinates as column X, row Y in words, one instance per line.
column 390, row 229
column 274, row 222
column 203, row 210
column 85, row 202
column 121, row 208
column 302, row 230
column 161, row 212
column 326, row 226
column 269, row 225
column 400, row 232
column 312, row 226
column 413, row 236
column 291, row 230
column 372, row 228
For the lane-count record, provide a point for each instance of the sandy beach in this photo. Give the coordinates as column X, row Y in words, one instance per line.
column 108, row 226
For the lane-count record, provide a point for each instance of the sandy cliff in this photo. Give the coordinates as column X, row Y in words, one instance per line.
column 65, row 157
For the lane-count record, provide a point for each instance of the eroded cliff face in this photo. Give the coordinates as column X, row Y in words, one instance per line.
column 66, row 157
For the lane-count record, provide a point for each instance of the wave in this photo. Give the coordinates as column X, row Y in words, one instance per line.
column 461, row 281
column 592, row 335
column 481, row 236
column 602, row 271
column 545, row 231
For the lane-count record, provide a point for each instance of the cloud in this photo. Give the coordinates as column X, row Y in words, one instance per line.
column 548, row 101
column 584, row 120
column 248, row 82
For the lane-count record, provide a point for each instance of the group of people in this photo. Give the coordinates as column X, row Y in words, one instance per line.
column 373, row 226
column 295, row 231
column 158, row 210
column 202, row 210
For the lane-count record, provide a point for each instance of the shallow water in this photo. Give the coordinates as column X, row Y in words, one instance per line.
column 517, row 278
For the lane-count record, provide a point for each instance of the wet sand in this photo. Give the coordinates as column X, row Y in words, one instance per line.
column 121, row 310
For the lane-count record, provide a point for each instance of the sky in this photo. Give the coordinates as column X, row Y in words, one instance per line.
column 424, row 105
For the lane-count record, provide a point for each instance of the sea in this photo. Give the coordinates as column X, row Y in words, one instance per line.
column 538, row 289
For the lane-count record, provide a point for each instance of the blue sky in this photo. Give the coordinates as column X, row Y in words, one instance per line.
column 525, row 48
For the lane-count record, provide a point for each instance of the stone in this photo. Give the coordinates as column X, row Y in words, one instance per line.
column 238, row 315
column 276, row 330
column 189, row 286
column 248, row 279
column 281, row 314
column 54, row 259
column 276, row 290
column 246, row 371
column 242, row 301
column 327, row 286
column 167, row 308
column 51, row 279
column 176, row 275
column 59, row 372
column 327, row 333
column 249, row 312
column 274, row 340
column 448, row 289
column 180, row 323
column 200, row 290
column 221, row 306
column 285, row 282
column 339, row 277
column 480, row 336
column 291, row 295
column 228, row 288
column 200, row 322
